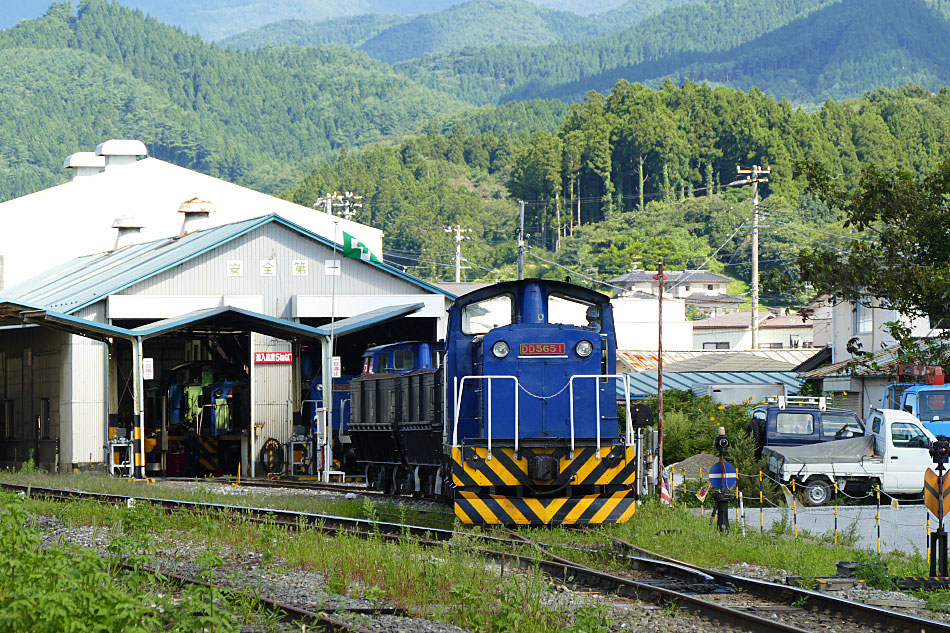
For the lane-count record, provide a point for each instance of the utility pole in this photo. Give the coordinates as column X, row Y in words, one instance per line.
column 661, row 279
column 351, row 204
column 755, row 177
column 458, row 230
column 557, row 241
column 328, row 201
column 521, row 242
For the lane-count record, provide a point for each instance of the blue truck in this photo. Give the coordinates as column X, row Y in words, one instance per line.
column 928, row 401
column 795, row 421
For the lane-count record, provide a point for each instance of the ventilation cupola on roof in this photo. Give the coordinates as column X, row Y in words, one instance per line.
column 129, row 231
column 197, row 215
column 84, row 164
column 118, row 152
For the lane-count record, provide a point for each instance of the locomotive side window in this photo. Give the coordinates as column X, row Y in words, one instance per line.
column 383, row 363
column 570, row 311
column 404, row 359
column 483, row 316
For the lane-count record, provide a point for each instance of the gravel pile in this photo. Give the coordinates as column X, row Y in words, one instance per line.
column 690, row 467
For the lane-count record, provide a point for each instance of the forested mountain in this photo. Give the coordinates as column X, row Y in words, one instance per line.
column 637, row 172
column 477, row 23
column 217, row 19
column 502, row 73
column 106, row 71
column 736, row 42
column 839, row 51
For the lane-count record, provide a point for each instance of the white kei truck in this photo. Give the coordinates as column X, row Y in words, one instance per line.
column 894, row 453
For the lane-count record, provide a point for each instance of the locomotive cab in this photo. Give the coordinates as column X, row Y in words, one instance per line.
column 533, row 434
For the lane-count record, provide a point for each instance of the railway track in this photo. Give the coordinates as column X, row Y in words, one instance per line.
column 788, row 602
column 288, row 613
column 291, row 484
column 654, row 578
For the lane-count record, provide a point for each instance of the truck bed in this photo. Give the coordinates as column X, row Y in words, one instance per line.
column 841, row 458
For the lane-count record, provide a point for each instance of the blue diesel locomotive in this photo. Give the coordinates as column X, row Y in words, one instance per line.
column 518, row 424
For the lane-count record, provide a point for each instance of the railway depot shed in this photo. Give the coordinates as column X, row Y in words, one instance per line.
column 251, row 303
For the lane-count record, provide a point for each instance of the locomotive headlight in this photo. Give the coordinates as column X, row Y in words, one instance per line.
column 584, row 348
column 500, row 349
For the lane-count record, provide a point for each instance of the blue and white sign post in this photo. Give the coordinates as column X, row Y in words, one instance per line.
column 722, row 476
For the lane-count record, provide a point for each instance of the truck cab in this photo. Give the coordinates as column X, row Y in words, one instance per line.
column 793, row 421
column 904, row 443
column 929, row 403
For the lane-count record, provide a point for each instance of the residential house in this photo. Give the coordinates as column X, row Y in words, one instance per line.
column 734, row 331
column 704, row 291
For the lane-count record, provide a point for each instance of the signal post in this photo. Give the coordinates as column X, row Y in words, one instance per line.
column 936, row 490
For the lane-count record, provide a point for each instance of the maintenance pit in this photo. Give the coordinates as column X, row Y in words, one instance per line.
column 154, row 360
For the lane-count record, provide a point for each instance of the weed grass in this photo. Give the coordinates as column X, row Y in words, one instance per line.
column 683, row 535
column 452, row 584
column 385, row 510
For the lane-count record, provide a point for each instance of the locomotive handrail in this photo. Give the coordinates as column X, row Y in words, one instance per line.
column 459, row 389
column 626, row 389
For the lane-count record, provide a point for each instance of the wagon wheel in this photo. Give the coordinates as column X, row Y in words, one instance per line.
column 272, row 456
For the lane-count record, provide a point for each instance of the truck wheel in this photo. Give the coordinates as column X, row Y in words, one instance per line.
column 816, row 492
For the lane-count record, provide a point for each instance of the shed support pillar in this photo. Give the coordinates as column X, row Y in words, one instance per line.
column 326, row 375
column 252, row 405
column 138, row 408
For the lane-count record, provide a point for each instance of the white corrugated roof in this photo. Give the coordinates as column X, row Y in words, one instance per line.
column 715, row 360
column 50, row 227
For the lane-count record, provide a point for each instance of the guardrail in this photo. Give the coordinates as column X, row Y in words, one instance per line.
column 460, row 388
column 626, row 387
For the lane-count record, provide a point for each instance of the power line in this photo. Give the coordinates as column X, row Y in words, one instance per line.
column 531, row 252
column 808, row 228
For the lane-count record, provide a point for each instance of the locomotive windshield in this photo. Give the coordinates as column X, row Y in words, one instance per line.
column 483, row 316
column 570, row 311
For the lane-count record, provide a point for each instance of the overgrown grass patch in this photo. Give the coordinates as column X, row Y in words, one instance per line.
column 451, row 584
column 386, row 509
column 55, row 588
column 686, row 536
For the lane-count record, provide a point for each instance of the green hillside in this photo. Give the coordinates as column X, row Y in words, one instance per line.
column 840, row 51
column 479, row 23
column 352, row 31
column 684, row 142
column 106, row 71
column 503, row 73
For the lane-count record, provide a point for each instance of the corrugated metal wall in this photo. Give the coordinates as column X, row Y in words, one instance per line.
column 84, row 405
column 207, row 274
column 30, row 381
column 273, row 384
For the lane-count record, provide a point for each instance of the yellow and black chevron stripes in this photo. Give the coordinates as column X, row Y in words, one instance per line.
column 208, row 457
column 616, row 466
column 617, row 507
